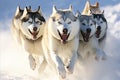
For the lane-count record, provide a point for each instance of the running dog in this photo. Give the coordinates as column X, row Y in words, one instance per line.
column 28, row 29
column 61, row 40
column 101, row 31
column 88, row 42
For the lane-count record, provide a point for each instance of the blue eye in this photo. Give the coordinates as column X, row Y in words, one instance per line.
column 91, row 24
column 37, row 21
column 30, row 22
column 83, row 24
column 101, row 22
column 69, row 22
column 59, row 22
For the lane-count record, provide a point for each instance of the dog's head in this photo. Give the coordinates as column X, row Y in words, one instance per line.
column 87, row 27
column 102, row 23
column 63, row 24
column 32, row 23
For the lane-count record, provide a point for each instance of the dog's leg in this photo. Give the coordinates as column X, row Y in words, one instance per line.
column 99, row 53
column 42, row 66
column 74, row 55
column 32, row 62
column 73, row 60
column 59, row 64
column 96, row 50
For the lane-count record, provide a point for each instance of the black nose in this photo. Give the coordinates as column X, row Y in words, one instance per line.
column 65, row 30
column 99, row 27
column 89, row 30
column 34, row 28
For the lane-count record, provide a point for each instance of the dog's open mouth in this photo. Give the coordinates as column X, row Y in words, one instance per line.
column 63, row 37
column 34, row 34
column 98, row 32
column 85, row 36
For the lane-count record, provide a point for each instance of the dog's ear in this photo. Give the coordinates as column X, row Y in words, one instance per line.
column 103, row 12
column 87, row 7
column 24, row 12
column 17, row 11
column 88, row 4
column 78, row 14
column 54, row 9
column 70, row 7
column 39, row 10
column 29, row 8
column 97, row 4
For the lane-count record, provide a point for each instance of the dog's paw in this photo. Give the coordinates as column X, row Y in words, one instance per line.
column 104, row 57
column 62, row 72
column 100, row 56
column 32, row 62
column 70, row 69
column 33, row 66
column 97, row 58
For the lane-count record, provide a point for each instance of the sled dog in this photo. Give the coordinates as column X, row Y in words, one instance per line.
column 88, row 41
column 28, row 29
column 101, row 31
column 60, row 40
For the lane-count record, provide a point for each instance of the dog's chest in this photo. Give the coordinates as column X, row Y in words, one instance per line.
column 85, row 49
column 33, row 47
column 65, row 51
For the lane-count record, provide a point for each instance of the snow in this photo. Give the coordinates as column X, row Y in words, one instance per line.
column 14, row 63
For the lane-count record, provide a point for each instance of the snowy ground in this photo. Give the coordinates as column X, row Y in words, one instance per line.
column 14, row 62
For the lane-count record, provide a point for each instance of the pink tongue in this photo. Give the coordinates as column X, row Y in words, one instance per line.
column 34, row 34
column 64, row 37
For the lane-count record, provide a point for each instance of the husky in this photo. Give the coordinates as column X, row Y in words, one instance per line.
column 88, row 8
column 101, row 31
column 88, row 41
column 60, row 40
column 28, row 29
